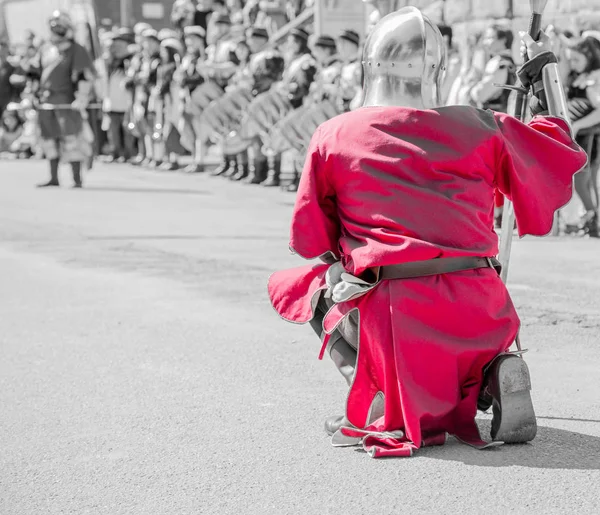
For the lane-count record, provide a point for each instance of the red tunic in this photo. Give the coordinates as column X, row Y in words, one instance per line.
column 389, row 185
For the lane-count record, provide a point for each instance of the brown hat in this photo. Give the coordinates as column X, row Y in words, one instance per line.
column 220, row 17
column 258, row 32
column 125, row 35
column 325, row 41
column 173, row 44
column 350, row 35
column 194, row 30
column 150, row 34
column 299, row 33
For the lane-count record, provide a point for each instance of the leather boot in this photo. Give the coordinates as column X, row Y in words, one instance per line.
column 137, row 160
column 194, row 168
column 258, row 172
column 232, row 169
column 76, row 168
column 507, row 385
column 273, row 177
column 242, row 172
column 333, row 424
column 223, row 167
column 591, row 226
column 293, row 186
column 53, row 175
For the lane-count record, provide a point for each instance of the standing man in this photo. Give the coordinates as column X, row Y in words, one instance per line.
column 135, row 89
column 499, row 70
column 147, row 78
column 256, row 39
column 188, row 78
column 485, row 90
column 66, row 78
column 116, row 103
column 266, row 109
column 298, row 126
column 7, row 91
column 395, row 198
column 220, row 65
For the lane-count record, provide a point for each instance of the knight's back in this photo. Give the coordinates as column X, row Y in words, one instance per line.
column 425, row 175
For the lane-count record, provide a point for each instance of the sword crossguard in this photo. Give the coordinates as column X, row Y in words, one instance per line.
column 513, row 88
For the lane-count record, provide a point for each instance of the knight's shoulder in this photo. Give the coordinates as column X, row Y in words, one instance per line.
column 460, row 116
column 349, row 120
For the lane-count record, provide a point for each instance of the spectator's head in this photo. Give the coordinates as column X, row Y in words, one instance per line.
column 61, row 27
column 297, row 41
column 10, row 118
column 120, row 44
column 347, row 44
column 169, row 49
column 182, row 13
column 139, row 30
column 323, row 49
column 497, row 39
column 242, row 51
column 447, row 34
column 195, row 38
column 257, row 38
column 106, row 24
column 584, row 55
column 167, row 34
column 150, row 42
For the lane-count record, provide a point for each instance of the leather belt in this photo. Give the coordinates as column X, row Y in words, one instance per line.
column 437, row 266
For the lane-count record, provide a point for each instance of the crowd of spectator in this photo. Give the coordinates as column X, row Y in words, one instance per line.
column 223, row 77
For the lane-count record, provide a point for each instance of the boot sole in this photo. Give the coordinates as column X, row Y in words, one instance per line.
column 333, row 424
column 514, row 406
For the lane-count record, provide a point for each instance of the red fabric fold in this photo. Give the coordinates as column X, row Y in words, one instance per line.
column 388, row 185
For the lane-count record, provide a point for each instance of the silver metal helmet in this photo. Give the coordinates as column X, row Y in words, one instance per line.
column 404, row 60
column 60, row 24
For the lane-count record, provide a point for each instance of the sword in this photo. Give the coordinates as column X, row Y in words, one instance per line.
column 519, row 111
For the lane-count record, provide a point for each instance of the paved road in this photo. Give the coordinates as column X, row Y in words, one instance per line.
column 142, row 370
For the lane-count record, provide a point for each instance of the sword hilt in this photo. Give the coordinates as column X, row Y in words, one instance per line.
column 535, row 27
column 518, row 89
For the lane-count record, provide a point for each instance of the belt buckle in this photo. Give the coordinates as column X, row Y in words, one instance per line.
column 490, row 262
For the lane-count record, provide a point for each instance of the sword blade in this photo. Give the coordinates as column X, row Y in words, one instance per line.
column 506, row 238
column 508, row 216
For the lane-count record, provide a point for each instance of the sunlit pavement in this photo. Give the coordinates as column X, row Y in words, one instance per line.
column 143, row 370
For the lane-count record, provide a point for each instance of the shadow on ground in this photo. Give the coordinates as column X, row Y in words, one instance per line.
column 142, row 237
column 552, row 449
column 149, row 190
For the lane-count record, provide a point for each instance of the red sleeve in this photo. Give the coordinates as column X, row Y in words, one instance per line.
column 315, row 224
column 536, row 169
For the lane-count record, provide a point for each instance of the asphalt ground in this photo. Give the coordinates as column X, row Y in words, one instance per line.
column 143, row 370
